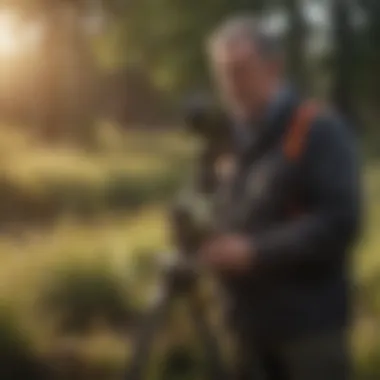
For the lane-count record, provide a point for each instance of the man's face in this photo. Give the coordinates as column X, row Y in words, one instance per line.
column 242, row 76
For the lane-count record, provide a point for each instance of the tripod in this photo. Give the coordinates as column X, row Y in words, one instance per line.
column 180, row 279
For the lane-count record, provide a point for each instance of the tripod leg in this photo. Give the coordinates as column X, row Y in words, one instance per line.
column 145, row 337
column 216, row 367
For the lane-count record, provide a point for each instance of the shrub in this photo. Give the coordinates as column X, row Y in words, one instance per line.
column 38, row 184
column 180, row 363
column 80, row 296
column 18, row 357
column 54, row 196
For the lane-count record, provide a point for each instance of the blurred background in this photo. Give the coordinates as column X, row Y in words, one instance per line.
column 92, row 148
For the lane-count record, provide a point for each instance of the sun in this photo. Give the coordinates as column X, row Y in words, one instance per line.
column 9, row 34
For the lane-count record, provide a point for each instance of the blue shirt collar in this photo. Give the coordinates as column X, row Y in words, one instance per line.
column 275, row 105
column 246, row 134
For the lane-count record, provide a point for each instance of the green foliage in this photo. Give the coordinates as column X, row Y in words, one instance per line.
column 91, row 280
column 180, row 363
column 368, row 51
column 167, row 37
column 84, row 296
column 40, row 185
column 18, row 357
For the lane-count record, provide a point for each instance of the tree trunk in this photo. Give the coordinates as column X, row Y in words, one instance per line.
column 50, row 121
column 80, row 79
column 343, row 86
column 67, row 76
column 296, row 44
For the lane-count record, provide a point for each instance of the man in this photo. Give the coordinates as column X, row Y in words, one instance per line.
column 286, row 274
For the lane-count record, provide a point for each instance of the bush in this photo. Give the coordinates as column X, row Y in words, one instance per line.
column 83, row 197
column 18, row 357
column 369, row 368
column 180, row 363
column 38, row 184
column 125, row 192
column 81, row 296
column 94, row 357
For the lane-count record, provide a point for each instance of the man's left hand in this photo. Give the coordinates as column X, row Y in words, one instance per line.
column 228, row 253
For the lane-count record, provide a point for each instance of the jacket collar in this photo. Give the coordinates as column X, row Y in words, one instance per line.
column 274, row 123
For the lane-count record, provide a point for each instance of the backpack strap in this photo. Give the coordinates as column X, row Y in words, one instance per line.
column 295, row 142
column 296, row 136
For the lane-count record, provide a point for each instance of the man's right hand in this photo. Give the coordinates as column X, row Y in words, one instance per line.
column 228, row 253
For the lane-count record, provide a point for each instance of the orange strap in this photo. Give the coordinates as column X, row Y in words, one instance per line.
column 295, row 139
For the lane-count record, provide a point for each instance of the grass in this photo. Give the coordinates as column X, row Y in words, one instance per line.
column 39, row 183
column 112, row 253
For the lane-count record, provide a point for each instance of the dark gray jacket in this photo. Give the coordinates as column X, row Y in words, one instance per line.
column 300, row 281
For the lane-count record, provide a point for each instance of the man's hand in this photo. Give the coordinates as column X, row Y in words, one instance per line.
column 228, row 253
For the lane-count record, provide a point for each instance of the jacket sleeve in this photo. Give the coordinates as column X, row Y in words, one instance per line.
column 330, row 171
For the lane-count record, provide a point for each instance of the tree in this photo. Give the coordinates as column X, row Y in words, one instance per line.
column 166, row 37
column 296, row 43
column 368, row 47
column 343, row 86
column 67, row 72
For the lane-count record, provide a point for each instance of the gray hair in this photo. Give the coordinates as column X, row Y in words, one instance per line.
column 250, row 28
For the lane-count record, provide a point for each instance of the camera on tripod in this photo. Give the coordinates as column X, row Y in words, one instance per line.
column 206, row 119
column 192, row 222
column 192, row 213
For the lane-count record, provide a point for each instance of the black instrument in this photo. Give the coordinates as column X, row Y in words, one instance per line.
column 205, row 120
column 180, row 279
